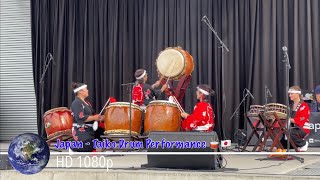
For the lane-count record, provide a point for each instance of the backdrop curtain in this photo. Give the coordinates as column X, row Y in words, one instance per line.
column 102, row 43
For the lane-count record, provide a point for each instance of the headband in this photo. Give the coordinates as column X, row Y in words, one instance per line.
column 294, row 91
column 203, row 91
column 79, row 88
column 142, row 75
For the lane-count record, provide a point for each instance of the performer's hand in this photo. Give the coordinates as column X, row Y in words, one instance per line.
column 101, row 118
column 164, row 87
column 157, row 84
column 292, row 120
column 184, row 114
column 96, row 117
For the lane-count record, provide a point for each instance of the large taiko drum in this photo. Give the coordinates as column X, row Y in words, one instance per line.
column 274, row 108
column 57, row 121
column 117, row 119
column 174, row 62
column 162, row 116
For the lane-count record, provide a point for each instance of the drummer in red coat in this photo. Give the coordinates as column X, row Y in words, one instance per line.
column 300, row 113
column 202, row 118
column 143, row 93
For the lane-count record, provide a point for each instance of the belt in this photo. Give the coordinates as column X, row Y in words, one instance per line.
column 306, row 125
column 203, row 128
column 83, row 125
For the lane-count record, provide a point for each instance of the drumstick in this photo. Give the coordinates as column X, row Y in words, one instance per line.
column 161, row 77
column 178, row 104
column 167, row 80
column 180, row 108
column 104, row 106
column 171, row 72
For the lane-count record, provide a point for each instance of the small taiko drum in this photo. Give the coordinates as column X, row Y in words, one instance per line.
column 117, row 119
column 174, row 62
column 253, row 115
column 162, row 116
column 255, row 110
column 57, row 121
column 274, row 108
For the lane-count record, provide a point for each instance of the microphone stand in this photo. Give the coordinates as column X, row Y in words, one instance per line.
column 235, row 112
column 222, row 46
column 41, row 82
column 243, row 99
column 129, row 87
column 267, row 94
column 288, row 67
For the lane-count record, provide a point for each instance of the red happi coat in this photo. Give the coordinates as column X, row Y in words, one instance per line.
column 301, row 118
column 202, row 116
column 137, row 94
column 143, row 94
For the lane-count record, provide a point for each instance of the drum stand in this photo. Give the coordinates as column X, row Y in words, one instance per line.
column 255, row 130
column 276, row 142
column 271, row 133
column 267, row 94
column 180, row 90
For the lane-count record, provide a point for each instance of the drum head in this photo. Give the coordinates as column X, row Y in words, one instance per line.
column 55, row 110
column 123, row 104
column 170, row 63
column 256, row 106
column 279, row 109
column 162, row 102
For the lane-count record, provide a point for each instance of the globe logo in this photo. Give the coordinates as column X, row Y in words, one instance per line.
column 28, row 153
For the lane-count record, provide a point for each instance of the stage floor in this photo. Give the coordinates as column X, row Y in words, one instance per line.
column 129, row 167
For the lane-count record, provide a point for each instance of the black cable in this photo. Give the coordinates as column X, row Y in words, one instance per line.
column 220, row 163
column 264, row 166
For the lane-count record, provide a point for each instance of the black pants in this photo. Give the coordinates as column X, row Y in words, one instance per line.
column 297, row 135
column 87, row 137
column 98, row 133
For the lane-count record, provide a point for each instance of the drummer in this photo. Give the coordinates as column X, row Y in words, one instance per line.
column 300, row 113
column 202, row 118
column 142, row 93
column 83, row 118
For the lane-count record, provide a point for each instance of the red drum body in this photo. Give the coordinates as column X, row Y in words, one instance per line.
column 117, row 119
column 162, row 116
column 57, row 121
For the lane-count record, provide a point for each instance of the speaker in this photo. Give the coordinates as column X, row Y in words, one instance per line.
column 202, row 139
column 4, row 163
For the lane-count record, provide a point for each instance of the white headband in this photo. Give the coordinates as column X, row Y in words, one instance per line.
column 203, row 91
column 294, row 91
column 142, row 75
column 79, row 88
